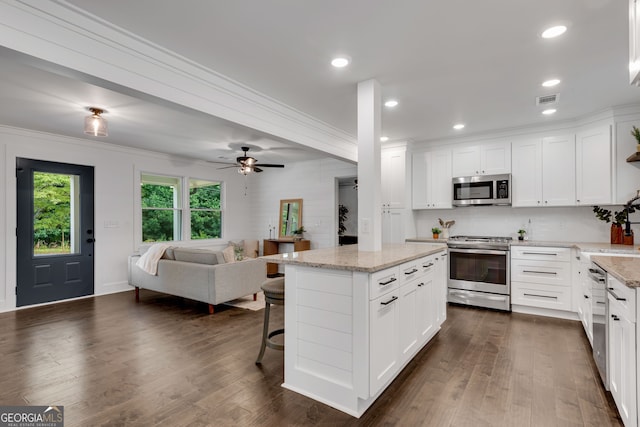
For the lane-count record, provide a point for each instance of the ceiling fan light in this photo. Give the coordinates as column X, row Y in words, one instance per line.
column 95, row 125
column 244, row 170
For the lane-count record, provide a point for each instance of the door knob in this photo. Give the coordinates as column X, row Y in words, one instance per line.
column 91, row 240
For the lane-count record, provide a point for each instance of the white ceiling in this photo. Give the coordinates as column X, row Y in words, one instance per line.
column 445, row 61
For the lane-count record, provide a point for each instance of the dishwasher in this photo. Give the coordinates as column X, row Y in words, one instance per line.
column 600, row 310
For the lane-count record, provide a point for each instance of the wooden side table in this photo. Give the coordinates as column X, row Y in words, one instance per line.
column 272, row 247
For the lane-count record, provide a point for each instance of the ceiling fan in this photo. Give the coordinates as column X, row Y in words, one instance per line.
column 247, row 164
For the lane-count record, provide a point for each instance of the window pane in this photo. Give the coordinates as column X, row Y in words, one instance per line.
column 204, row 194
column 205, row 225
column 55, row 213
column 160, row 225
column 158, row 196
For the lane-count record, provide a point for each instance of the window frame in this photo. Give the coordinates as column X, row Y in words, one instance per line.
column 187, row 225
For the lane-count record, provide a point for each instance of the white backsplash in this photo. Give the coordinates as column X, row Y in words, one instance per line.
column 568, row 224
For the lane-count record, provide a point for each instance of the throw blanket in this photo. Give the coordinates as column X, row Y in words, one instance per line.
column 148, row 262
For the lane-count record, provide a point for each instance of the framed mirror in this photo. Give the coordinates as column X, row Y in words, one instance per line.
column 290, row 217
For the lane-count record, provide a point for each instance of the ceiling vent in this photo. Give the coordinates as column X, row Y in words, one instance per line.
column 547, row 99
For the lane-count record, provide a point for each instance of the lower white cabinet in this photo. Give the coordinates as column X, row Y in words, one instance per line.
column 440, row 286
column 622, row 350
column 393, row 225
column 427, row 314
column 384, row 323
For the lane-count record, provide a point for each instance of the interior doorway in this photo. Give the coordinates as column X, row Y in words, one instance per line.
column 348, row 210
column 55, row 206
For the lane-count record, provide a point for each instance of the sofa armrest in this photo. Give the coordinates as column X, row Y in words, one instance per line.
column 237, row 279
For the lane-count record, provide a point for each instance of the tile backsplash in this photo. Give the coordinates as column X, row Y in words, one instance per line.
column 564, row 224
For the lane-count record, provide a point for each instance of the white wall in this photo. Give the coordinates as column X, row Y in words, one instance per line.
column 315, row 183
column 116, row 199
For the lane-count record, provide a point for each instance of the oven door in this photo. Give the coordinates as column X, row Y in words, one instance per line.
column 482, row 270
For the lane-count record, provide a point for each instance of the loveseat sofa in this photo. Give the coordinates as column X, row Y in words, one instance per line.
column 201, row 275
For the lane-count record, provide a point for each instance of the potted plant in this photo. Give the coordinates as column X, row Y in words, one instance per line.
column 619, row 219
column 297, row 233
column 521, row 233
column 635, row 132
column 342, row 217
column 436, row 232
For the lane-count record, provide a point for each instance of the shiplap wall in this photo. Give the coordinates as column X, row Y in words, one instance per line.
column 315, row 182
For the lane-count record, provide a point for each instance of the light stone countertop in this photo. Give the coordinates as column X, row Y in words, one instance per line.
column 349, row 258
column 582, row 246
column 625, row 269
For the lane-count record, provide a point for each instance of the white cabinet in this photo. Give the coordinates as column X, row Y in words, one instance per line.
column 393, row 177
column 408, row 323
column 486, row 159
column 441, row 275
column 384, row 321
column 393, row 225
column 541, row 277
column 427, row 301
column 634, row 42
column 544, row 172
column 584, row 289
column 431, row 180
column 593, row 166
column 622, row 349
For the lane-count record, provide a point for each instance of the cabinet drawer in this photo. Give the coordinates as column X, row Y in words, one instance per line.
column 540, row 295
column 624, row 296
column 427, row 264
column 383, row 281
column 409, row 271
column 550, row 273
column 540, row 253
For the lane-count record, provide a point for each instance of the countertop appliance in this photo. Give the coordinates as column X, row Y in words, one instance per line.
column 599, row 308
column 479, row 271
column 482, row 190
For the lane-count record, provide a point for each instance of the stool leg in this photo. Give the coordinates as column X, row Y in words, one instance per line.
column 265, row 332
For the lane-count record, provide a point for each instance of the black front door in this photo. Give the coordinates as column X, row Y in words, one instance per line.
column 54, row 231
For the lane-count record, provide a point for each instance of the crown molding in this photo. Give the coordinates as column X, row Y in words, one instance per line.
column 61, row 33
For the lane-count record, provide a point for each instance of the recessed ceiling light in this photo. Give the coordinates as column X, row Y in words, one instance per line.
column 458, row 126
column 391, row 103
column 384, row 138
column 552, row 32
column 549, row 111
column 551, row 83
column 340, row 61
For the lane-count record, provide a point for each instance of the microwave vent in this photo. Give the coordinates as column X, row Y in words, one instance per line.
column 547, row 99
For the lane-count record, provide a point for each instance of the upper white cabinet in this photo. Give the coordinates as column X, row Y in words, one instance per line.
column 544, row 172
column 431, row 180
column 634, row 42
column 393, row 172
column 486, row 159
column 593, row 166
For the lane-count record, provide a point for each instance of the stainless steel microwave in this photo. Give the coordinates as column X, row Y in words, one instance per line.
column 482, row 190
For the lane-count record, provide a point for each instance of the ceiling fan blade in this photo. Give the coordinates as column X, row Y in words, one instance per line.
column 266, row 165
column 228, row 167
column 257, row 169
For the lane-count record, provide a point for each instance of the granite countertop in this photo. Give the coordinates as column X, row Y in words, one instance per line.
column 625, row 269
column 582, row 246
column 349, row 258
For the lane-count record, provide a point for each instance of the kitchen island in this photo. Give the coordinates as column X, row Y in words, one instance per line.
column 354, row 320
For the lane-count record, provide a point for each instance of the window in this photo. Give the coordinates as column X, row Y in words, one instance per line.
column 172, row 211
column 205, row 209
column 161, row 208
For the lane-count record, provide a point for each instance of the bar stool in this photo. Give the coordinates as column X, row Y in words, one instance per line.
column 273, row 294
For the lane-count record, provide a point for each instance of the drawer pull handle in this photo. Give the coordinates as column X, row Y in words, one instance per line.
column 586, row 297
column 393, row 279
column 388, row 302
column 411, row 272
column 614, row 317
column 540, row 296
column 427, row 265
column 600, row 302
column 540, row 272
column 540, row 253
column 420, row 284
column 615, row 295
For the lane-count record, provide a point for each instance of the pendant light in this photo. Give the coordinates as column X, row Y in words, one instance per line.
column 95, row 124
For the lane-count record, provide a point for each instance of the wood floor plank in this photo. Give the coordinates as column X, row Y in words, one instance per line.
column 165, row 361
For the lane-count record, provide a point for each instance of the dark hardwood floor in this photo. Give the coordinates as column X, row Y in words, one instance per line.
column 165, row 361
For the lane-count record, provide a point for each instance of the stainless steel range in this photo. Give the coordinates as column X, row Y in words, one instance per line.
column 479, row 272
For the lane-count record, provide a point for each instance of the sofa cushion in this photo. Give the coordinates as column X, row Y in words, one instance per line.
column 198, row 256
column 251, row 248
